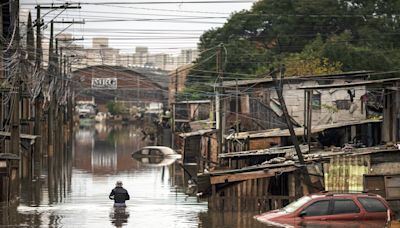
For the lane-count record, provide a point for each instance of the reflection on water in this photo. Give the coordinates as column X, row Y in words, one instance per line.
column 119, row 216
column 73, row 192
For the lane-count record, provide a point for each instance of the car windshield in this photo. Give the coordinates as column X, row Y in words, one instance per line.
column 296, row 204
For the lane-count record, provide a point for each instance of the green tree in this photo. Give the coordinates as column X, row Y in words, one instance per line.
column 327, row 35
column 116, row 108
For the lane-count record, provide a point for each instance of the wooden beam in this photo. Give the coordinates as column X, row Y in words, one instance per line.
column 250, row 175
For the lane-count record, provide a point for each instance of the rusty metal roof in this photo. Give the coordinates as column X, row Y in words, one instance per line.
column 352, row 74
column 351, row 84
column 299, row 131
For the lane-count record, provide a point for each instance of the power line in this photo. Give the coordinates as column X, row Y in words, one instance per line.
column 154, row 2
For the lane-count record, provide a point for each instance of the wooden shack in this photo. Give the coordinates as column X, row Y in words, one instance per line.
column 255, row 106
column 256, row 188
column 192, row 115
column 376, row 170
column 199, row 148
column 363, row 131
column 9, row 178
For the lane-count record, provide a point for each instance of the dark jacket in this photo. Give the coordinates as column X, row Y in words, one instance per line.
column 119, row 195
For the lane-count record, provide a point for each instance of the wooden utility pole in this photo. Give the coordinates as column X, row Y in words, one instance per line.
column 51, row 73
column 279, row 91
column 2, row 73
column 38, row 38
column 237, row 107
column 30, row 40
column 38, row 102
column 220, row 101
column 173, row 127
column 309, row 118
column 15, row 118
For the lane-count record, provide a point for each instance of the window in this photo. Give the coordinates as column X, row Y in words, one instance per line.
column 232, row 105
column 317, row 208
column 345, row 207
column 297, row 204
column 393, row 187
column 155, row 152
column 372, row 205
column 316, row 101
column 343, row 104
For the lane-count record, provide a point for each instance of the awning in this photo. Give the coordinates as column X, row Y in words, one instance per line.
column 23, row 137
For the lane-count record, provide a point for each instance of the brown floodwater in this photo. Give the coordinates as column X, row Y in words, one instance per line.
column 76, row 193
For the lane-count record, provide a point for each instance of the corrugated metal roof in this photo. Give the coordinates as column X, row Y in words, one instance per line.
column 158, row 77
column 194, row 102
column 299, row 131
column 350, row 84
column 269, row 151
column 194, row 133
column 351, row 74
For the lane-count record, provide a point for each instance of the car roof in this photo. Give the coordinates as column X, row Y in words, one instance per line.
column 342, row 194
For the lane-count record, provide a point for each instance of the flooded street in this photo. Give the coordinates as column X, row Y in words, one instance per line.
column 77, row 195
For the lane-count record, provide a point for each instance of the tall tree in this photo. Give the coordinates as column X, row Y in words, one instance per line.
column 332, row 35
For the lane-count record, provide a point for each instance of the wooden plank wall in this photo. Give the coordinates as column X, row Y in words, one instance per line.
column 249, row 196
column 252, row 144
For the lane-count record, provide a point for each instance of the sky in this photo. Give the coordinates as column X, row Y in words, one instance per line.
column 163, row 28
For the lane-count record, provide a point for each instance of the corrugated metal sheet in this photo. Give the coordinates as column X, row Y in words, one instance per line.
column 345, row 173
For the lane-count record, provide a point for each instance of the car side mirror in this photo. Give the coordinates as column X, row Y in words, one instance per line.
column 303, row 213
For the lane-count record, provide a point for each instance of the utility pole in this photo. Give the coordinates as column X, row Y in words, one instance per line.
column 237, row 107
column 173, row 127
column 51, row 67
column 15, row 121
column 309, row 118
column 219, row 102
column 293, row 137
column 2, row 74
column 38, row 38
column 38, row 101
column 51, row 73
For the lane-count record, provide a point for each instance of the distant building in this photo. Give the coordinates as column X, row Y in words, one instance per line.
column 100, row 42
column 177, row 80
column 142, row 87
column 187, row 56
column 102, row 54
column 141, row 56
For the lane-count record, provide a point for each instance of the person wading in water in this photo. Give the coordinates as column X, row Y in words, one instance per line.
column 119, row 195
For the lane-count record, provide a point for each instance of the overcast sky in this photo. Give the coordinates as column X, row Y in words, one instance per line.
column 171, row 26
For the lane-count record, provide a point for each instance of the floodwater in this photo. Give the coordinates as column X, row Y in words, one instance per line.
column 76, row 193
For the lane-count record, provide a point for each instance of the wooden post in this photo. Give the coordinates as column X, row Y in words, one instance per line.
column 309, row 118
column 51, row 111
column 15, row 137
column 38, row 38
column 237, row 107
column 15, row 91
column 279, row 88
column 305, row 117
column 220, row 102
column 38, row 102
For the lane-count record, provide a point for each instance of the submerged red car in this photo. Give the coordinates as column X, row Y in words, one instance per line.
column 331, row 209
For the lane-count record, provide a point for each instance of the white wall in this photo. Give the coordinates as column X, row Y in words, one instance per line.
column 294, row 99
